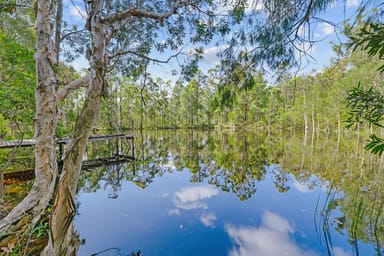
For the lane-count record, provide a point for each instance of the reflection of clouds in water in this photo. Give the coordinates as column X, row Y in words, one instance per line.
column 270, row 239
column 174, row 212
column 191, row 205
column 337, row 251
column 208, row 219
column 309, row 184
column 191, row 198
column 170, row 165
column 301, row 187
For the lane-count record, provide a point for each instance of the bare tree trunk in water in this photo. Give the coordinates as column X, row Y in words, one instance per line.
column 305, row 116
column 304, row 148
column 64, row 208
column 338, row 130
column 357, row 134
column 25, row 215
column 113, row 110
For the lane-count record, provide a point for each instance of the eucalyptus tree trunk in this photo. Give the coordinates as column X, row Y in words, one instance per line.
column 20, row 221
column 62, row 239
column 32, row 207
column 64, row 208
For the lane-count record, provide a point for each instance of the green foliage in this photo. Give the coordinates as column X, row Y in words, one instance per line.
column 17, row 72
column 365, row 104
column 243, row 99
column 272, row 34
column 3, row 127
column 368, row 104
column 375, row 145
column 370, row 38
column 41, row 229
column 17, row 68
column 7, row 6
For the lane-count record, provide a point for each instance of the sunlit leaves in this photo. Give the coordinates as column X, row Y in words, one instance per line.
column 17, row 66
column 17, row 78
column 3, row 127
column 370, row 38
column 365, row 104
column 375, row 145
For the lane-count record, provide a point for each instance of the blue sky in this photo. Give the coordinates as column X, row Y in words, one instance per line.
column 320, row 53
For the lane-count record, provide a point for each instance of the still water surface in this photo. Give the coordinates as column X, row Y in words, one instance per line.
column 233, row 193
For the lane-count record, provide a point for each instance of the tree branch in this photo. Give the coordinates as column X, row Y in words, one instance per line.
column 71, row 86
column 305, row 18
column 137, row 12
column 71, row 33
column 146, row 57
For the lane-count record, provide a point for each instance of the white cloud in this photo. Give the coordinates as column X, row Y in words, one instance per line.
column 191, row 205
column 327, row 28
column 170, row 165
column 337, row 251
column 174, row 212
column 352, row 3
column 301, row 187
column 270, row 239
column 210, row 55
column 208, row 220
column 276, row 222
column 191, row 197
column 196, row 193
column 80, row 64
column 78, row 12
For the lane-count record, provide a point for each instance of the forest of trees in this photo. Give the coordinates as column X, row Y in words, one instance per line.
column 43, row 97
column 314, row 102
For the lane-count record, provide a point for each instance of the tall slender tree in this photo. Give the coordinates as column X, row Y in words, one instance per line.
column 120, row 35
column 118, row 38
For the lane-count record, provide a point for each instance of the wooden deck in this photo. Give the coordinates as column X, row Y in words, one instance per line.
column 88, row 165
column 106, row 161
column 17, row 143
column 31, row 143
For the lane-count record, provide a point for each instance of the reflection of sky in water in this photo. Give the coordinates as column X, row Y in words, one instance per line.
column 271, row 238
column 175, row 217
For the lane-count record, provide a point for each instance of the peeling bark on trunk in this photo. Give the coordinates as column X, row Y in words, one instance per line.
column 59, row 20
column 45, row 122
column 64, row 207
column 62, row 238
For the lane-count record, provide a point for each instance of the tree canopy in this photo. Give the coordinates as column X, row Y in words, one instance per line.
column 119, row 39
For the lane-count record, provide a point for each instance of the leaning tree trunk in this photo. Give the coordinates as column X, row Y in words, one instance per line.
column 23, row 217
column 64, row 208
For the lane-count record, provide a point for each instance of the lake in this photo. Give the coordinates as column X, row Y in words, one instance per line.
column 234, row 193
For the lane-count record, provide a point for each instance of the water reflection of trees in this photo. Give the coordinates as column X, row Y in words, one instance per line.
column 354, row 178
column 234, row 162
column 237, row 161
